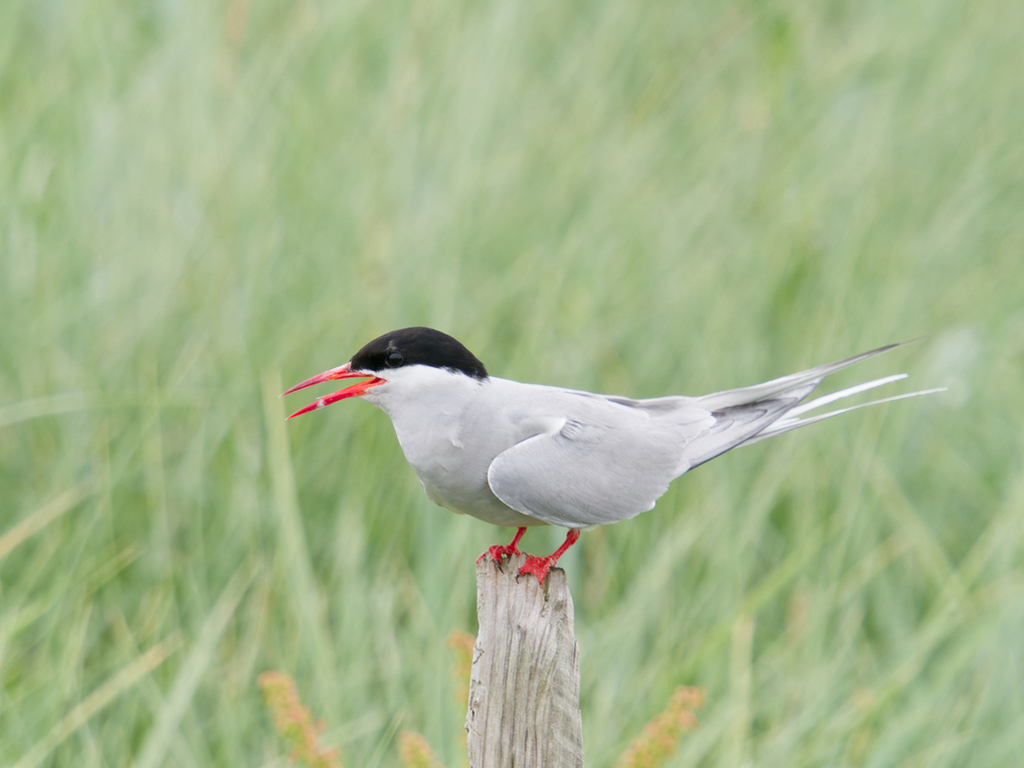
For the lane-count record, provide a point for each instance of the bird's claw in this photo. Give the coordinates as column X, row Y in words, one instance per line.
column 499, row 551
column 538, row 566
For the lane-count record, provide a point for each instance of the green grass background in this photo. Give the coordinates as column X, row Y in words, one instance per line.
column 203, row 203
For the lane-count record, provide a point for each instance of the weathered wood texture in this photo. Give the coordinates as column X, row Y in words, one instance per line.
column 524, row 689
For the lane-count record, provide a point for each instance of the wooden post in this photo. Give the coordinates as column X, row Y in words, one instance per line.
column 524, row 689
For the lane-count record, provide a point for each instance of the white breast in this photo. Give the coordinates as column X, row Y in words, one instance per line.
column 451, row 427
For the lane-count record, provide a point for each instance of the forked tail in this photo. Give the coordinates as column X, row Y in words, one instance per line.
column 769, row 409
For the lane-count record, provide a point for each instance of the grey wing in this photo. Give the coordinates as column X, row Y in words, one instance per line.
column 617, row 465
column 594, row 473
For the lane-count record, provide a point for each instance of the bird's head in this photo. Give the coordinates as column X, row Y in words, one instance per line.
column 394, row 358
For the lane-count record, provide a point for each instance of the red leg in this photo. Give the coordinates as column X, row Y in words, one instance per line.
column 498, row 551
column 539, row 566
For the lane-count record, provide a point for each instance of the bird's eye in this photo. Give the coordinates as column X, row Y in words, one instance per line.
column 395, row 359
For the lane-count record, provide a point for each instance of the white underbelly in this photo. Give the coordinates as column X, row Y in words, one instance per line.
column 456, row 479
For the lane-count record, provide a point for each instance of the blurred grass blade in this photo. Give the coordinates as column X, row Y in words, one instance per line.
column 741, row 692
column 98, row 699
column 50, row 405
column 44, row 516
column 293, row 554
column 195, row 666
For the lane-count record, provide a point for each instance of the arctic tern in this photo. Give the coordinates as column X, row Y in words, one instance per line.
column 521, row 455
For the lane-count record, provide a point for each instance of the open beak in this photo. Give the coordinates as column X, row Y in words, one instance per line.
column 341, row 372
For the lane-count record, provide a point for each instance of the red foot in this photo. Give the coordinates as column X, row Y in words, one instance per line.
column 539, row 566
column 499, row 551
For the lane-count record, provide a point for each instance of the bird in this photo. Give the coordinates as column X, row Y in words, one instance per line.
column 523, row 455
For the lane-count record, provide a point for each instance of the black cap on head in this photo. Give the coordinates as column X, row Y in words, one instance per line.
column 417, row 346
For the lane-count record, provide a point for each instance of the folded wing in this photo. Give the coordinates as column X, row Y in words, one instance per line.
column 610, row 458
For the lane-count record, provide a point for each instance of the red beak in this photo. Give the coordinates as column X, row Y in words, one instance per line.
column 341, row 372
